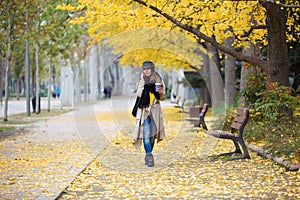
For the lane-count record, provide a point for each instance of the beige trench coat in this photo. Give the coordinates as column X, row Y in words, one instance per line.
column 155, row 112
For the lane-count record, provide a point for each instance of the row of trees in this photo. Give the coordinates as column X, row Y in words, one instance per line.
column 35, row 34
column 257, row 32
column 172, row 33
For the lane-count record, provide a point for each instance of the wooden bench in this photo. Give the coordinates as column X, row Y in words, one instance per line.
column 235, row 134
column 197, row 115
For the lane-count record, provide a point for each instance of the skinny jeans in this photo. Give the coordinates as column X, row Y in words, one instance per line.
column 148, row 141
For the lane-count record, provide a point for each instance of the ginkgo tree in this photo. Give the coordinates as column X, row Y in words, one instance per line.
column 49, row 34
column 262, row 20
column 267, row 22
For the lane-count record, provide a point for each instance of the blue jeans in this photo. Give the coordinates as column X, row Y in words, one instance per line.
column 146, row 135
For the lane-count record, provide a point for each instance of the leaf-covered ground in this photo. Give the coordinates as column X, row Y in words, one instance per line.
column 43, row 160
column 185, row 168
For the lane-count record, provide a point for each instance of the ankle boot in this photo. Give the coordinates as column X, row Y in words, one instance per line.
column 147, row 159
column 150, row 161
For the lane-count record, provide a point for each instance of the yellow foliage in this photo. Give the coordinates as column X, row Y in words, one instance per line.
column 108, row 18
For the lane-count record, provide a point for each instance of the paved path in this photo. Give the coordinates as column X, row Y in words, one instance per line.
column 39, row 164
column 42, row 162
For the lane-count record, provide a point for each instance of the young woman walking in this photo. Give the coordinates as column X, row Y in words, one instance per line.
column 149, row 120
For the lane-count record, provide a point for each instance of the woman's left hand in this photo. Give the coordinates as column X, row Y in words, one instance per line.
column 160, row 90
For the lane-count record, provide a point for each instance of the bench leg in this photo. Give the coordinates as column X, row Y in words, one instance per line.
column 245, row 150
column 245, row 154
column 237, row 147
column 203, row 125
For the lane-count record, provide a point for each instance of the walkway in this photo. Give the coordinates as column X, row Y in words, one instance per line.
column 96, row 140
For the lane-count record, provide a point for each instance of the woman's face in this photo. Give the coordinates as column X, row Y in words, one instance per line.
column 147, row 71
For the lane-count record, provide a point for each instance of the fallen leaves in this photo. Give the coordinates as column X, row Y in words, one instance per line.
column 184, row 169
column 29, row 169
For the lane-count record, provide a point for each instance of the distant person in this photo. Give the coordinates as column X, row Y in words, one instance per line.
column 57, row 91
column 33, row 102
column 107, row 91
column 147, row 110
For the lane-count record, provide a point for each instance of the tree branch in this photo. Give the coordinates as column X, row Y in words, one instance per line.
column 281, row 4
column 253, row 28
column 196, row 32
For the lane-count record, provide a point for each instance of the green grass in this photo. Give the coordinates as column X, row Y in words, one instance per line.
column 5, row 128
column 281, row 138
column 22, row 118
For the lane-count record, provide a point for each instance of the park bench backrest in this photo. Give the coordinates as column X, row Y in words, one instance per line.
column 240, row 120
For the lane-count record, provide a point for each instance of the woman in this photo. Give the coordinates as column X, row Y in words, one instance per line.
column 149, row 121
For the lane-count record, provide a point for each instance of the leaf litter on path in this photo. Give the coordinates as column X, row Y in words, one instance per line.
column 185, row 168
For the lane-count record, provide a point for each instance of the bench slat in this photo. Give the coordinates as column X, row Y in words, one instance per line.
column 239, row 119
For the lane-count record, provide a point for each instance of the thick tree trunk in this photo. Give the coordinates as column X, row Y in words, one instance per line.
column 253, row 50
column 230, row 79
column 278, row 69
column 217, row 85
column 93, row 71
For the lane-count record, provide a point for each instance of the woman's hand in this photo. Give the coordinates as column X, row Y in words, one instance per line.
column 160, row 90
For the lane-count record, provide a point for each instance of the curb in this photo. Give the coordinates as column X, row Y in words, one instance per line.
column 287, row 164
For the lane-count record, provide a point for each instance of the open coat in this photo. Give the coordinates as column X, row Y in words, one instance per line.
column 155, row 112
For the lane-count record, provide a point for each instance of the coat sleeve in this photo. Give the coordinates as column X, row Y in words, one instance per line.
column 140, row 88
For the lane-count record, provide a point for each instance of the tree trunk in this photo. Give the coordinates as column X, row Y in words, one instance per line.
column 85, row 78
column 230, row 78
column 1, row 75
column 8, row 58
column 217, row 85
column 93, row 71
column 206, row 77
column 77, row 92
column 27, row 64
column 37, row 80
column 17, row 90
column 278, row 69
column 49, row 84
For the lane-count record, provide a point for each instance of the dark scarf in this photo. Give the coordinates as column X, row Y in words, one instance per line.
column 150, row 87
column 144, row 100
